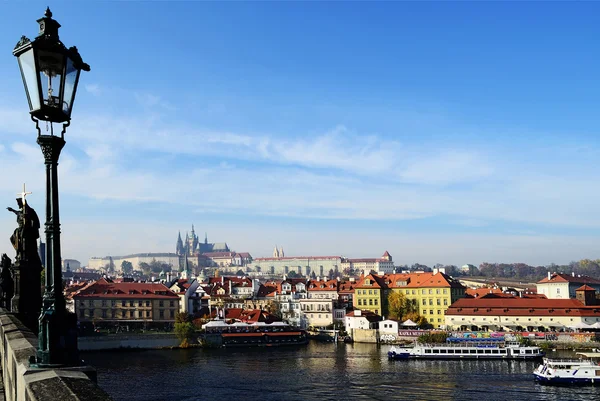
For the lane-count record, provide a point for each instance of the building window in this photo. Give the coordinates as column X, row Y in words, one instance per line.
column 161, row 303
column 104, row 302
column 131, row 314
column 104, row 314
column 82, row 313
column 147, row 303
column 376, row 302
column 113, row 313
column 113, row 302
column 140, row 302
column 424, row 302
column 131, row 302
column 437, row 291
column 438, row 302
column 431, row 311
column 91, row 313
column 445, row 302
column 370, row 302
column 147, row 313
column 430, row 291
column 123, row 302
column 430, row 301
column 445, row 290
column 172, row 303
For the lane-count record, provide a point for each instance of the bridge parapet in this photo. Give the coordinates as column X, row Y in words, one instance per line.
column 25, row 383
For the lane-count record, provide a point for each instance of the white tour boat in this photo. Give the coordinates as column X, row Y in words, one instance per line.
column 468, row 350
column 569, row 371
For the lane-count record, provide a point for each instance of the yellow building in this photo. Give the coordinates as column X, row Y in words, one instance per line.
column 433, row 293
column 370, row 294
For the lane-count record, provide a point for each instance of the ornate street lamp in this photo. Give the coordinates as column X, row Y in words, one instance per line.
column 50, row 73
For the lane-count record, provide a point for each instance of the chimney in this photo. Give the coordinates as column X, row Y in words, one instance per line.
column 549, row 275
column 222, row 280
column 573, row 274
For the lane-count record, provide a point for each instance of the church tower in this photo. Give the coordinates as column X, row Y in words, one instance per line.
column 179, row 248
column 281, row 254
column 186, row 273
column 276, row 252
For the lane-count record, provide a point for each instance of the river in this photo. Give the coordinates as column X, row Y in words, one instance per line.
column 319, row 371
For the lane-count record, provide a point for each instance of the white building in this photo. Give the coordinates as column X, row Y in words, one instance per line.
column 562, row 286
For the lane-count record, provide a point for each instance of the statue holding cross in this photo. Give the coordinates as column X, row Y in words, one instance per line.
column 24, row 238
column 27, row 269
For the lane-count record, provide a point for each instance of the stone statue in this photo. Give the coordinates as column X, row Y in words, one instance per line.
column 6, row 282
column 26, row 271
column 25, row 236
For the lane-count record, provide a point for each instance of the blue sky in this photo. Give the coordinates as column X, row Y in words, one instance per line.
column 442, row 132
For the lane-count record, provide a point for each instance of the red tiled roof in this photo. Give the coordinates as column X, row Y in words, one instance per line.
column 479, row 292
column 316, row 285
column 562, row 278
column 585, row 287
column 515, row 306
column 106, row 289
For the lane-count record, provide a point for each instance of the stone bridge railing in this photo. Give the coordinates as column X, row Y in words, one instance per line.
column 24, row 383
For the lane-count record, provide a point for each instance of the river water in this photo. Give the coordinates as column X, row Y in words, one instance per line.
column 319, row 371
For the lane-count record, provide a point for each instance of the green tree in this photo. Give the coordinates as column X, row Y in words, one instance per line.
column 292, row 274
column 184, row 329
column 126, row 267
column 420, row 320
column 144, row 267
column 275, row 309
column 396, row 305
column 399, row 306
column 240, row 272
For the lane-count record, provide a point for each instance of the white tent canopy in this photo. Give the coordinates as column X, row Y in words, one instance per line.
column 581, row 325
column 409, row 323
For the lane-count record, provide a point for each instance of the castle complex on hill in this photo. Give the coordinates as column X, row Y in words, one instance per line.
column 198, row 254
column 192, row 245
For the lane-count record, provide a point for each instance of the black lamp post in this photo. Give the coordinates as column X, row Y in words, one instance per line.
column 50, row 73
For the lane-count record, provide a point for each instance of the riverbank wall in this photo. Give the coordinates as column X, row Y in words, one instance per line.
column 128, row 341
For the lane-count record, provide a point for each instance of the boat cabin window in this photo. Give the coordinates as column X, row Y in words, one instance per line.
column 436, row 351
column 428, row 351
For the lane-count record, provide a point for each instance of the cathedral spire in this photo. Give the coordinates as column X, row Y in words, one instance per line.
column 205, row 238
column 179, row 246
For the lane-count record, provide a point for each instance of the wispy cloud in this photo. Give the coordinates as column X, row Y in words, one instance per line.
column 94, row 89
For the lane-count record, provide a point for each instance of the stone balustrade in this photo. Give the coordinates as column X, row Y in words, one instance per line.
column 25, row 383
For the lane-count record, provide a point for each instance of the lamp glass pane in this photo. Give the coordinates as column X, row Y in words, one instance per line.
column 27, row 64
column 69, row 91
column 51, row 73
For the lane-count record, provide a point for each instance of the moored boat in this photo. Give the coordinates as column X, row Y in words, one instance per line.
column 585, row 370
column 468, row 350
column 218, row 333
